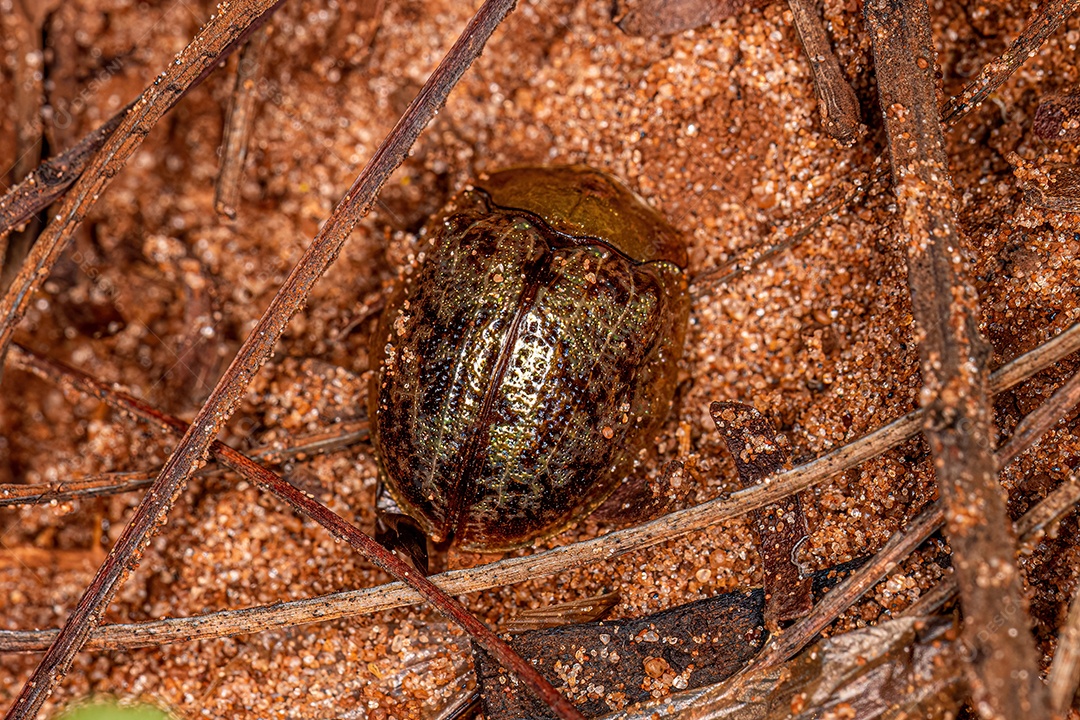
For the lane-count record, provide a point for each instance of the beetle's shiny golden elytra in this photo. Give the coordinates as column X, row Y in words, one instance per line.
column 523, row 364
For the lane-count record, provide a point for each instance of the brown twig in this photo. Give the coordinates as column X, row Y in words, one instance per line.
column 1032, row 525
column 1047, row 20
column 1003, row 673
column 1040, row 420
column 1024, row 366
column 49, row 180
column 12, row 495
column 339, row 527
column 851, row 186
column 1029, row 529
column 24, row 24
column 238, row 124
column 224, row 399
column 515, row 570
column 113, row 483
column 1064, row 674
column 837, row 103
column 219, row 37
column 784, row 646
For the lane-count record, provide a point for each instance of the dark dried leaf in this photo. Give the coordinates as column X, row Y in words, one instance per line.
column 779, row 528
column 603, row 666
column 908, row 667
column 1058, row 117
column 610, row 665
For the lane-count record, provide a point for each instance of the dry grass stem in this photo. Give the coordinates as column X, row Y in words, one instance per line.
column 514, row 570
column 228, row 28
column 1042, row 25
column 14, row 494
column 1064, row 674
column 1029, row 531
column 238, row 124
column 1037, row 423
column 758, row 679
column 50, row 179
column 837, row 103
column 955, row 395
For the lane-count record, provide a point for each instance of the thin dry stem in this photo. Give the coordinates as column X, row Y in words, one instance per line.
column 1029, row 531
column 515, row 570
column 837, row 103
column 853, row 185
column 51, row 178
column 1065, row 671
column 1002, row 672
column 898, row 547
column 708, row 702
column 224, row 399
column 238, row 125
column 112, row 483
column 1042, row 25
column 1038, row 422
column 335, row 438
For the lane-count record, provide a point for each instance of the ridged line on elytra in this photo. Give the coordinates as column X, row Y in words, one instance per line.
column 481, row 426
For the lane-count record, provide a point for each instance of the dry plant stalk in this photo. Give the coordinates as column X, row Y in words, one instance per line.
column 1035, row 424
column 520, row 569
column 1029, row 531
column 849, row 188
column 238, row 124
column 158, row 501
column 50, row 179
column 1043, row 24
column 903, row 543
column 307, row 506
column 12, row 495
column 112, row 483
column 1064, row 674
column 837, row 103
column 997, row 628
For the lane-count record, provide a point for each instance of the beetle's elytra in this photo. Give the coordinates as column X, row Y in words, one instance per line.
column 521, row 367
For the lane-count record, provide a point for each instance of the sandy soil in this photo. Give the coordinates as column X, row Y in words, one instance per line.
column 717, row 127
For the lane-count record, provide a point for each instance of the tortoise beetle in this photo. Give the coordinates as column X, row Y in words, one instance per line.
column 519, row 369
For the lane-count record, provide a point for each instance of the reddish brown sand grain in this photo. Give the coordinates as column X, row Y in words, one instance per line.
column 717, row 127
